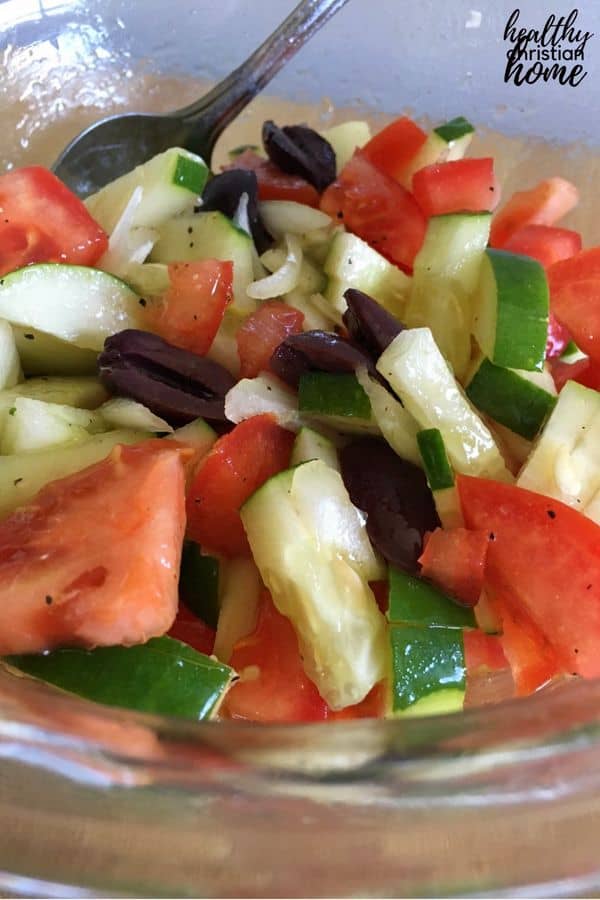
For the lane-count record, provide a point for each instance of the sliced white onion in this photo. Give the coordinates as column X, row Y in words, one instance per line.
column 326, row 309
column 264, row 394
column 284, row 279
column 127, row 244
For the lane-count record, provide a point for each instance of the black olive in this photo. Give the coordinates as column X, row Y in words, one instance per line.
column 370, row 325
column 311, row 351
column 223, row 193
column 298, row 150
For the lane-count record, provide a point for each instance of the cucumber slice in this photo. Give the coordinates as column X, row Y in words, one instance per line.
column 427, row 662
column 171, row 182
column 23, row 475
column 441, row 703
column 197, row 434
column 240, row 588
column 313, row 578
column 85, row 392
column 44, row 354
column 10, row 364
column 309, row 444
column 455, row 130
column 420, row 375
column 510, row 398
column 565, row 463
column 148, row 279
column 511, row 310
column 34, row 424
column 209, row 235
column 440, row 477
column 121, row 412
column 351, row 262
column 416, row 602
column 346, row 138
column 327, row 394
column 74, row 303
column 163, row 676
column 199, row 583
column 338, row 401
column 445, row 276
column 396, row 424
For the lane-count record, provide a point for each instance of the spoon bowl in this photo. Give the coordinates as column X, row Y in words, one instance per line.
column 117, row 144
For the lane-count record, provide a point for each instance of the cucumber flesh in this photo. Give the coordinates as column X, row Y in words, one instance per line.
column 511, row 310
column 340, row 629
column 395, row 422
column 565, row 463
column 10, row 363
column 44, row 354
column 420, row 375
column 24, row 474
column 309, row 444
column 446, row 143
column 351, row 262
column 445, row 276
column 283, row 217
column 240, row 588
column 171, row 183
column 77, row 304
column 209, row 235
column 346, row 138
column 33, row 424
column 85, row 392
column 121, row 412
column 197, row 434
column 510, row 398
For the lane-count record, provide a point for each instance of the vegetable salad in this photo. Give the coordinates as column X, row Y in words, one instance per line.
column 311, row 438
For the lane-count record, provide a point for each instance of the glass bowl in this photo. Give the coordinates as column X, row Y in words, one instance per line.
column 501, row 800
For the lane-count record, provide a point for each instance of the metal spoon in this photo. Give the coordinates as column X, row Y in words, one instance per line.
column 115, row 145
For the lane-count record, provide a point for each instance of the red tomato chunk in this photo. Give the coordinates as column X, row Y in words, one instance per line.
column 465, row 185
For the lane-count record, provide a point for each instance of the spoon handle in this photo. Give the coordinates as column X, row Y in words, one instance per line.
column 209, row 116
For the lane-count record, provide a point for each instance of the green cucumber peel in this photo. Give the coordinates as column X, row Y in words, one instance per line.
column 413, row 601
column 199, row 583
column 329, row 394
column 425, row 661
column 435, row 459
column 454, row 129
column 163, row 676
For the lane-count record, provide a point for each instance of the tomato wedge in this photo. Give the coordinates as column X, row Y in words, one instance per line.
column 273, row 685
column 273, row 184
column 41, row 220
column 464, row 185
column 94, row 559
column 546, row 243
column 237, row 464
column 576, row 305
column 533, row 661
column 545, row 560
column 583, row 266
column 584, row 371
column 483, row 651
column 543, row 204
column 454, row 559
column 393, row 148
column 189, row 314
column 377, row 209
column 558, row 337
column 262, row 332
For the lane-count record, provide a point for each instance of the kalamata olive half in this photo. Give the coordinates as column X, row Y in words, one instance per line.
column 395, row 497
column 175, row 384
column 370, row 325
column 312, row 351
column 223, row 193
column 299, row 150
